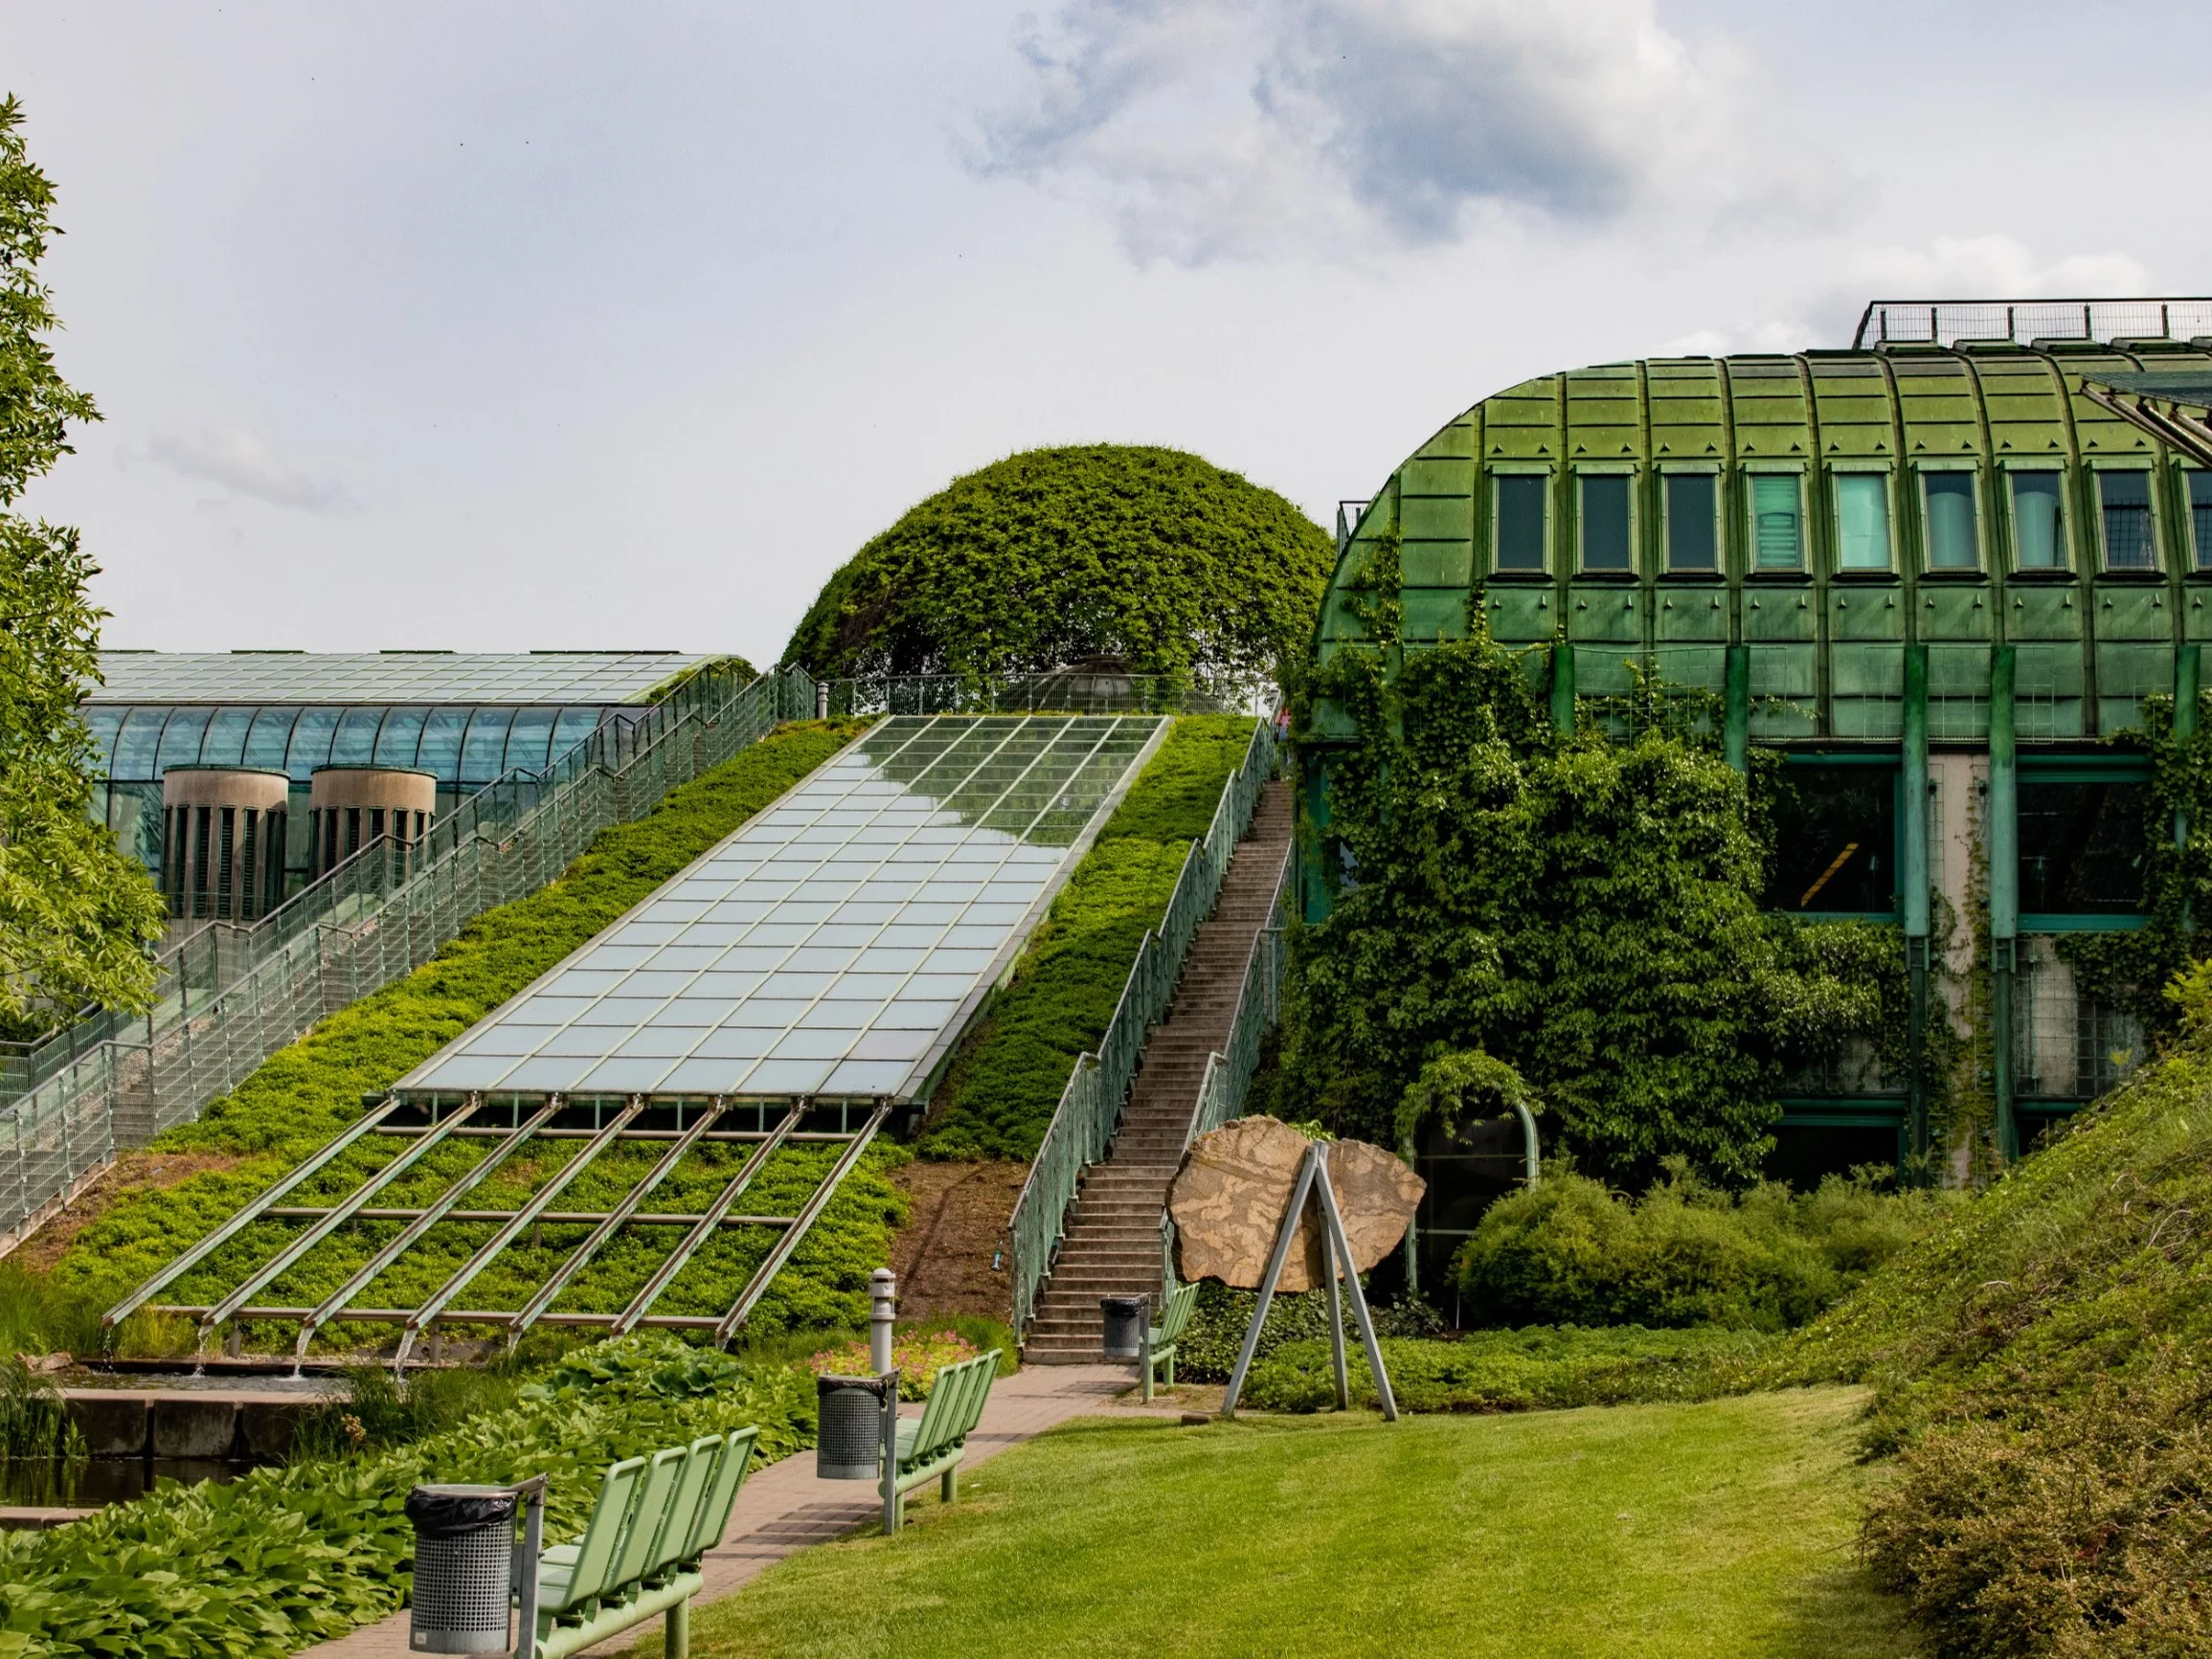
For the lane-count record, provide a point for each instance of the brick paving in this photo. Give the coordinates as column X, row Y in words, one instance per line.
column 783, row 1508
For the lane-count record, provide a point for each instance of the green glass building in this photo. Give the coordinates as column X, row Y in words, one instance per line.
column 1939, row 569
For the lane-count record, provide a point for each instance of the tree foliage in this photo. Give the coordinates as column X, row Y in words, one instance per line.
column 1056, row 557
column 74, row 912
column 1585, row 912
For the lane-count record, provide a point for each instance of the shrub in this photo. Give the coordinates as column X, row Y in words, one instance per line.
column 1000, row 1090
column 1207, row 1350
column 1567, row 1251
column 1056, row 557
column 1544, row 1368
column 306, row 1092
column 285, row 1557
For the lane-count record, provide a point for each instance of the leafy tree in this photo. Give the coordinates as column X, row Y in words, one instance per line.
column 74, row 912
column 1584, row 912
column 1056, row 557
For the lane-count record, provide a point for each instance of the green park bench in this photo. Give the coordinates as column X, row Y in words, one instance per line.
column 932, row 1445
column 641, row 1553
column 1160, row 1339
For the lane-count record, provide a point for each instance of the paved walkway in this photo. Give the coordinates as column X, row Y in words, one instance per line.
column 783, row 1508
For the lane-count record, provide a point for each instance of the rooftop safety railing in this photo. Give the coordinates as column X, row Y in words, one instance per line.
column 1089, row 1106
column 1061, row 691
column 233, row 995
column 1947, row 322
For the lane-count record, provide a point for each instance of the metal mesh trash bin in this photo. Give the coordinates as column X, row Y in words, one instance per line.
column 1126, row 1319
column 849, row 1434
column 463, row 1568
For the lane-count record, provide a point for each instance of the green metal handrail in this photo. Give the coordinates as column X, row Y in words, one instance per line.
column 1090, row 1107
column 338, row 942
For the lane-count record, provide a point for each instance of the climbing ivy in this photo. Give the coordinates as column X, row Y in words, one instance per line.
column 1585, row 909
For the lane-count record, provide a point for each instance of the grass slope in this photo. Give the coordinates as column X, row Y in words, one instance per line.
column 999, row 1093
column 1649, row 1531
column 306, row 1092
column 2041, row 1371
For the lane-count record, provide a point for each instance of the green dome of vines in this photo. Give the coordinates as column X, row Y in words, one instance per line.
column 1056, row 557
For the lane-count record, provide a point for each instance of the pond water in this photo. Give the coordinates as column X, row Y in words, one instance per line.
column 48, row 1483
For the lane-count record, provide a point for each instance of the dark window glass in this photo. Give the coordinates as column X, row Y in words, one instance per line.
column 1952, row 544
column 1605, row 523
column 311, row 742
column 2037, row 521
column 1521, row 522
column 2201, row 516
column 485, row 750
column 440, row 751
column 1861, row 521
column 180, row 738
column 1691, row 542
column 396, row 740
column 2126, row 500
column 271, row 734
column 2081, row 848
column 1777, row 522
column 1834, row 840
column 355, row 744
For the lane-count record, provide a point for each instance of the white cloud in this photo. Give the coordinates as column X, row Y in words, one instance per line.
column 1214, row 128
column 1992, row 267
column 236, row 459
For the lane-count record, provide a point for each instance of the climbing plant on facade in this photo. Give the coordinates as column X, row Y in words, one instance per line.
column 1583, row 910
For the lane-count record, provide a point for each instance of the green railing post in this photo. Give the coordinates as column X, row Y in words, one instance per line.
column 1563, row 689
column 1736, row 713
column 2003, row 839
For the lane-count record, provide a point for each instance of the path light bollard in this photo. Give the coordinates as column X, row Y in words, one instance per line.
column 882, row 1310
column 464, row 1562
column 1126, row 1320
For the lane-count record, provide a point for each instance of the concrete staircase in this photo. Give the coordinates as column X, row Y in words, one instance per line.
column 1112, row 1243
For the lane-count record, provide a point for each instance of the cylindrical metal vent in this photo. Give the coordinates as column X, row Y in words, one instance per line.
column 222, row 845
column 848, row 1433
column 463, row 1568
column 1126, row 1319
column 351, row 807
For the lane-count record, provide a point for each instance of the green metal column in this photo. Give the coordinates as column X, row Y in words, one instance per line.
column 1915, row 896
column 2188, row 681
column 1736, row 719
column 2003, row 843
column 1563, row 689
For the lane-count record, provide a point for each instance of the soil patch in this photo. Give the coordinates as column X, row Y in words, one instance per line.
column 956, row 1218
column 134, row 1171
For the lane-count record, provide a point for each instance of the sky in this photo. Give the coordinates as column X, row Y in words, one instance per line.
column 566, row 327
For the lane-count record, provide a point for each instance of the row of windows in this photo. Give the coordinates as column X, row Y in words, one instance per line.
column 463, row 745
column 1862, row 508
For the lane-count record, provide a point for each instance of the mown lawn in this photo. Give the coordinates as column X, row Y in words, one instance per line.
column 1723, row 1529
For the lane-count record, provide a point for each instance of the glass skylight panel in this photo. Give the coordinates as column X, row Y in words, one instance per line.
column 554, row 677
column 831, row 944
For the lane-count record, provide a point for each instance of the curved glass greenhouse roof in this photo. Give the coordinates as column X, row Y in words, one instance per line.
column 389, row 675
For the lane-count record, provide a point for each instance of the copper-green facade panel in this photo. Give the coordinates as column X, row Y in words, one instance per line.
column 1840, row 508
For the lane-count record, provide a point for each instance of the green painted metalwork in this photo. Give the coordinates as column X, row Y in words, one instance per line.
column 702, row 1230
column 1736, row 710
column 931, row 1447
column 2004, row 832
column 809, row 1213
column 1563, row 689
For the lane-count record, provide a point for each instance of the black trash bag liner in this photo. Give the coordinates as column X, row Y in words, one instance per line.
column 826, row 1385
column 444, row 1513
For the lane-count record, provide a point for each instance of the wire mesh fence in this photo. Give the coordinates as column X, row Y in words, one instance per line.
column 1089, row 1106
column 1064, row 691
column 1947, row 322
column 232, row 997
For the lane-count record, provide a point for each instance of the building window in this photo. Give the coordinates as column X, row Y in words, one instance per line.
column 1605, row 521
column 2201, row 516
column 1777, row 522
column 1521, row 521
column 2038, row 521
column 1834, row 840
column 1953, row 538
column 1693, row 540
column 2124, row 499
column 1862, row 520
column 2080, row 847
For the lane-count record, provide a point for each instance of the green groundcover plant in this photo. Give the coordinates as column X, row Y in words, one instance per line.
column 1000, row 1090
column 1567, row 1252
column 2042, row 1374
column 306, row 1092
column 287, row 1557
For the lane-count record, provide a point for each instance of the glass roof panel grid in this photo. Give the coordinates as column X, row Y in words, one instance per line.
column 539, row 676
column 841, row 933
